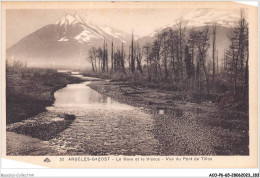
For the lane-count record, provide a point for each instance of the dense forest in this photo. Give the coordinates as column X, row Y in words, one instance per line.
column 179, row 57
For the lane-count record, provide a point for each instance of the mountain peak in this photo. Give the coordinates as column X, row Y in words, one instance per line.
column 78, row 17
column 65, row 42
column 69, row 19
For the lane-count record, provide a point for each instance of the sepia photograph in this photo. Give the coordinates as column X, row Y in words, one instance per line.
column 127, row 81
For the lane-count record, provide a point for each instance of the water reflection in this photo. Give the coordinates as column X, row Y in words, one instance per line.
column 102, row 126
column 78, row 94
column 74, row 73
column 63, row 71
column 168, row 111
column 75, row 97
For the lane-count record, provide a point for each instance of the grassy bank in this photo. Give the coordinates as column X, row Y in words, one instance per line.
column 221, row 95
column 30, row 90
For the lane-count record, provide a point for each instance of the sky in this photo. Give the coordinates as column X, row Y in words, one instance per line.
column 22, row 22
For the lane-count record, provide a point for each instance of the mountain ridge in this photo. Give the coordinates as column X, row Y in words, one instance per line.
column 67, row 41
column 64, row 42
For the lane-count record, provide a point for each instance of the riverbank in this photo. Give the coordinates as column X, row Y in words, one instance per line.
column 30, row 137
column 184, row 127
column 30, row 90
column 22, row 145
column 161, row 123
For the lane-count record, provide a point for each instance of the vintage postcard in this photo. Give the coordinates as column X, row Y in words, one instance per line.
column 130, row 84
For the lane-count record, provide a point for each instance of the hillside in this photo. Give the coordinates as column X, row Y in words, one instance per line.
column 64, row 43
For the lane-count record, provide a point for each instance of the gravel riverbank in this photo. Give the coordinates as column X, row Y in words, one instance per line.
column 183, row 127
column 123, row 119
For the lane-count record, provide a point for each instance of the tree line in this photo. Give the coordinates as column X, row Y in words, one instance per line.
column 181, row 56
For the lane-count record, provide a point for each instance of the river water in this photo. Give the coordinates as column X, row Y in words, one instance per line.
column 102, row 126
column 78, row 98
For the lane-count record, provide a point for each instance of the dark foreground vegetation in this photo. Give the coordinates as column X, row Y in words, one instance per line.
column 30, row 90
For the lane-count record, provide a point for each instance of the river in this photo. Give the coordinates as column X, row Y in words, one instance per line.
column 102, row 126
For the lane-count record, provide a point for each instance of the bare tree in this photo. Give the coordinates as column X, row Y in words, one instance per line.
column 201, row 41
column 181, row 42
column 100, row 58
column 164, row 51
column 156, row 57
column 91, row 59
column 173, row 49
column 213, row 53
column 147, row 48
column 139, row 56
column 238, row 48
column 106, row 58
column 112, row 57
column 217, row 63
column 132, row 55
column 123, row 58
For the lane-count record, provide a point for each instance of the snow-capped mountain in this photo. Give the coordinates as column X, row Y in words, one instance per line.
column 64, row 43
column 67, row 41
column 199, row 18
column 202, row 17
column 67, row 20
column 88, row 32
